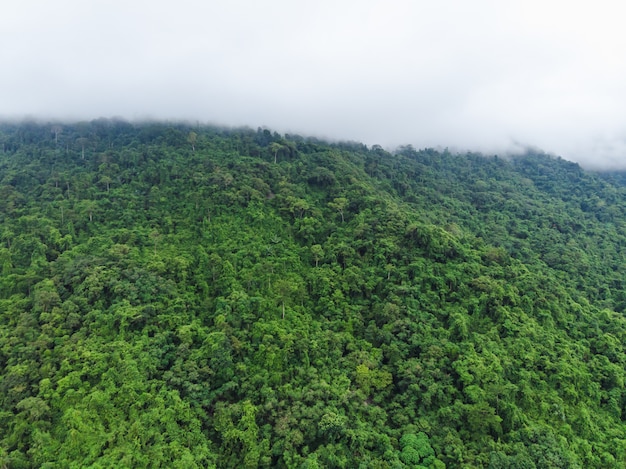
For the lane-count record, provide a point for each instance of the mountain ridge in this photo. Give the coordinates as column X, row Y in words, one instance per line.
column 196, row 296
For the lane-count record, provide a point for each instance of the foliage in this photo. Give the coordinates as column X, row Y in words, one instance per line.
column 188, row 296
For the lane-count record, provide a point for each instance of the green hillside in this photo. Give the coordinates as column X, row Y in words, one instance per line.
column 188, row 296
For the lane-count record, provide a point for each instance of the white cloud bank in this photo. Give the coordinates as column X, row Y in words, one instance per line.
column 481, row 75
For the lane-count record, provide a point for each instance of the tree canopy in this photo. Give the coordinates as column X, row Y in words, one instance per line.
column 189, row 296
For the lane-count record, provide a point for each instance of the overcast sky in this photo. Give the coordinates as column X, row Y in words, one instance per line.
column 481, row 75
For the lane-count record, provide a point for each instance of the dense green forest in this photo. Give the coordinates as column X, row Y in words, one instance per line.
column 178, row 295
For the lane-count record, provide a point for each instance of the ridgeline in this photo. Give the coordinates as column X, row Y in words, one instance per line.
column 187, row 296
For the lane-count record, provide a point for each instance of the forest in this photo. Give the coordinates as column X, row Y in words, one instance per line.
column 177, row 295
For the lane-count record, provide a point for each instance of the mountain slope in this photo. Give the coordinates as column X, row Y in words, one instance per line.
column 176, row 296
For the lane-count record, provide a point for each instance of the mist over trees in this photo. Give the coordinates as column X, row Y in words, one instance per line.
column 178, row 295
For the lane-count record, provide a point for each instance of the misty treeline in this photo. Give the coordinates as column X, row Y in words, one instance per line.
column 177, row 295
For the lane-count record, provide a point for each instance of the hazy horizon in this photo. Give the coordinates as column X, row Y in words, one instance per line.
column 484, row 76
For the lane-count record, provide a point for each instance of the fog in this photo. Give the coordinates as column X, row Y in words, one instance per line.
column 483, row 76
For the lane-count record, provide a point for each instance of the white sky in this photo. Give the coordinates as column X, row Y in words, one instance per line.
column 480, row 75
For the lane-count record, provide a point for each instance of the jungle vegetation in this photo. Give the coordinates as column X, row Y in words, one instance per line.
column 176, row 295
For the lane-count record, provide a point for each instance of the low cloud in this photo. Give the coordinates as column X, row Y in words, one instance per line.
column 470, row 75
